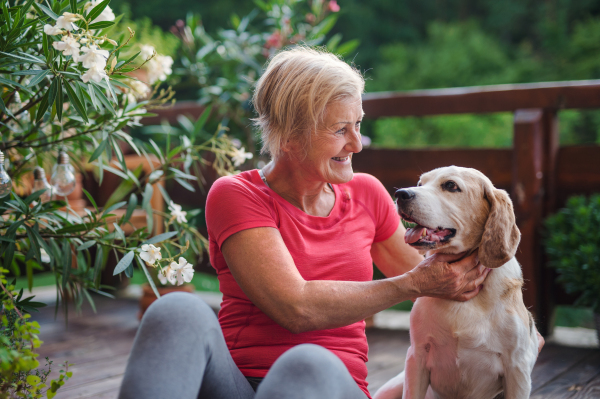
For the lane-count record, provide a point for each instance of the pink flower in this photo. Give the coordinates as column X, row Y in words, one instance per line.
column 333, row 6
column 275, row 40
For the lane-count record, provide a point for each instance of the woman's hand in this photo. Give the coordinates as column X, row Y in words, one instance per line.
column 438, row 277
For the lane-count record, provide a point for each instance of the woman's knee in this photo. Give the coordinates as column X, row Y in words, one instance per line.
column 179, row 307
column 309, row 358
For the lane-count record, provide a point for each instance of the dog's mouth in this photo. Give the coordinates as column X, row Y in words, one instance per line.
column 423, row 236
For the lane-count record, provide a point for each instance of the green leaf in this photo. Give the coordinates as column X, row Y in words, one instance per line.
column 38, row 78
column 8, row 255
column 42, row 107
column 76, row 101
column 34, row 244
column 131, row 207
column 347, row 47
column 15, row 84
column 103, row 99
column 112, row 91
column 148, row 276
column 59, row 98
column 160, row 237
column 67, row 260
column 113, row 207
column 98, row 263
column 92, row 94
column 33, row 196
column 98, row 151
column 48, row 11
column 4, row 109
column 89, row 196
column 130, row 59
column 73, row 4
column 75, row 228
column 148, row 191
column 86, row 245
column 201, row 121
column 101, row 25
column 93, row 14
column 185, row 184
column 124, row 262
column 120, row 232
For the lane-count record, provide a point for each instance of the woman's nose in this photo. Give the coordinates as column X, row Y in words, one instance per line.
column 355, row 143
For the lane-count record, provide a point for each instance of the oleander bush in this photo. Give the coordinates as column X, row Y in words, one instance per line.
column 572, row 243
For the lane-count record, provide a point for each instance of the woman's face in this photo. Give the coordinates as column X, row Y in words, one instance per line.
column 329, row 156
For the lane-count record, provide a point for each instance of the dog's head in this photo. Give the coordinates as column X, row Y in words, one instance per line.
column 458, row 209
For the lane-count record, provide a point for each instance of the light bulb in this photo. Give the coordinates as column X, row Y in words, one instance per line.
column 63, row 177
column 5, row 182
column 41, row 183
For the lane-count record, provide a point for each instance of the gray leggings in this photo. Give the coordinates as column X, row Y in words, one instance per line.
column 179, row 352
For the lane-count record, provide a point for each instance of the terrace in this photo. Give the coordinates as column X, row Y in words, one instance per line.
column 537, row 172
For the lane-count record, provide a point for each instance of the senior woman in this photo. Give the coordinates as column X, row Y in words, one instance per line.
column 293, row 245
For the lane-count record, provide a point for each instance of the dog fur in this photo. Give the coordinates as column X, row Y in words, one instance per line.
column 488, row 345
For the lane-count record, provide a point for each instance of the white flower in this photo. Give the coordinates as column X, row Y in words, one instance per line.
column 93, row 57
column 177, row 212
column 240, row 156
column 44, row 255
column 146, row 51
column 139, row 89
column 150, row 254
column 106, row 15
column 68, row 46
column 66, row 22
column 52, row 30
column 166, row 274
column 183, row 272
column 159, row 68
column 95, row 73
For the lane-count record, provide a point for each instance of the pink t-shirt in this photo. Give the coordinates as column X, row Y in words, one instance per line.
column 336, row 247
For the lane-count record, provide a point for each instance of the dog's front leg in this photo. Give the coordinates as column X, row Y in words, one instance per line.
column 517, row 383
column 416, row 377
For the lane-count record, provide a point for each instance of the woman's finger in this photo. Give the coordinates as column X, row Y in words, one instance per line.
column 467, row 264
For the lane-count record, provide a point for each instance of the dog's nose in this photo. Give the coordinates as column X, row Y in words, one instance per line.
column 404, row 194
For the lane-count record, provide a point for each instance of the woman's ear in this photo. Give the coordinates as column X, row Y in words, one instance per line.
column 501, row 235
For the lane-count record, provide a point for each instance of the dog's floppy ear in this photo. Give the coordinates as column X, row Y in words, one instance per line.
column 501, row 235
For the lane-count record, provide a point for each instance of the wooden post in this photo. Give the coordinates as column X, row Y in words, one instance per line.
column 528, row 200
column 551, row 141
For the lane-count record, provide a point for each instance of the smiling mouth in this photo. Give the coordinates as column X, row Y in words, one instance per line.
column 423, row 236
column 339, row 159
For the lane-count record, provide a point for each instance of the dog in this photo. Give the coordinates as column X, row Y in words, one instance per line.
column 487, row 345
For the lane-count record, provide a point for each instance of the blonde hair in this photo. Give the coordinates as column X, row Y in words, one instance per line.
column 293, row 93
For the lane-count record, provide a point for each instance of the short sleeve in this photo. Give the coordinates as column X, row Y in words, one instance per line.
column 383, row 208
column 233, row 205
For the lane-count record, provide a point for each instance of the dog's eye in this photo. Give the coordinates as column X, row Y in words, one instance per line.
column 451, row 186
column 419, row 183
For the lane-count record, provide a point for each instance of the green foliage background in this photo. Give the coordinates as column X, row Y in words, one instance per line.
column 407, row 45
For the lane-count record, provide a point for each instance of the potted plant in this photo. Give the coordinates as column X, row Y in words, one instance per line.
column 573, row 247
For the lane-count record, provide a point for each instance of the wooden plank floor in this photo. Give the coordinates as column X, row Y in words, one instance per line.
column 98, row 346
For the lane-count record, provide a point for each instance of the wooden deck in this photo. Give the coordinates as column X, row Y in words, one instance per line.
column 98, row 346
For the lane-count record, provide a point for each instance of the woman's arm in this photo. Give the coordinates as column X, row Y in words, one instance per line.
column 265, row 270
column 393, row 256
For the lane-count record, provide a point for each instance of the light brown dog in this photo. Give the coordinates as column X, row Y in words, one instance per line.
column 479, row 348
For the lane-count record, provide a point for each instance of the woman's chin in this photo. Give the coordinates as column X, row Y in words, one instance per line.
column 340, row 176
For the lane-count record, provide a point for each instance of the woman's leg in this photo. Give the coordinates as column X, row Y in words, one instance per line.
column 179, row 352
column 309, row 371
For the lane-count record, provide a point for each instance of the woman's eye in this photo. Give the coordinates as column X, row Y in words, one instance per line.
column 341, row 131
column 451, row 186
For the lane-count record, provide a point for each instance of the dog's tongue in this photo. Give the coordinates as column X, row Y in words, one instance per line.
column 413, row 234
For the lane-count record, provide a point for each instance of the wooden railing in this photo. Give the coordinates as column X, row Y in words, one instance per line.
column 538, row 174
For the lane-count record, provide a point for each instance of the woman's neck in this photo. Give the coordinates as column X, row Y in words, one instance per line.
column 308, row 194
